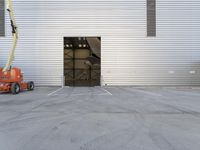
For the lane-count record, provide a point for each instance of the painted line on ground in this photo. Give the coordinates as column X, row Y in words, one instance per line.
column 83, row 94
column 55, row 91
column 106, row 91
column 42, row 87
column 78, row 94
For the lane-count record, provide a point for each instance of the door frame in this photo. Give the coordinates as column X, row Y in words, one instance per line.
column 63, row 59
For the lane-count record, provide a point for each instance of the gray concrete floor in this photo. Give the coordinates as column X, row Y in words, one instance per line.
column 108, row 118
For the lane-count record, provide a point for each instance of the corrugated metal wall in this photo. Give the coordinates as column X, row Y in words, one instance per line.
column 129, row 57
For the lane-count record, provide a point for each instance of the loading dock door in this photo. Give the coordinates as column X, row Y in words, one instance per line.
column 82, row 65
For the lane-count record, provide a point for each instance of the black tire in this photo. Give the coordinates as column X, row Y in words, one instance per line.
column 15, row 88
column 30, row 86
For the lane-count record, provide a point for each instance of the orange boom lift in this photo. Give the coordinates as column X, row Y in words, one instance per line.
column 11, row 79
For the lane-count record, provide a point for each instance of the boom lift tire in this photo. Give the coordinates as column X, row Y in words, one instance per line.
column 15, row 88
column 30, row 86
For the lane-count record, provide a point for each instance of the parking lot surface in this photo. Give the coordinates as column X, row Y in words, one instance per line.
column 101, row 118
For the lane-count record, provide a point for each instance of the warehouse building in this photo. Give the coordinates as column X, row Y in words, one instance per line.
column 137, row 42
column 109, row 75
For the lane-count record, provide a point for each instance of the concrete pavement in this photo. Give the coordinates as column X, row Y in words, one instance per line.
column 101, row 118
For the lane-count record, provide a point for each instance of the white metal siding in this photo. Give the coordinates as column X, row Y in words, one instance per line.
column 129, row 57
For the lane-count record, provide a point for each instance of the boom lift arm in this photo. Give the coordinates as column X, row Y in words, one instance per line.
column 10, row 59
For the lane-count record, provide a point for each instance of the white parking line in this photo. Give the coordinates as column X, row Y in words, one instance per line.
column 106, row 91
column 55, row 91
column 89, row 93
column 82, row 94
column 79, row 94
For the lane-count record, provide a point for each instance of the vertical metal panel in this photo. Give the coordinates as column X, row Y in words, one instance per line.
column 2, row 18
column 151, row 17
column 129, row 57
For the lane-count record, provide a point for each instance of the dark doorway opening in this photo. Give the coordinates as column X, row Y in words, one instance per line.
column 82, row 61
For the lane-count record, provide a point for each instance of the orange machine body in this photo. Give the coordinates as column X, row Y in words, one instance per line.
column 9, row 77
